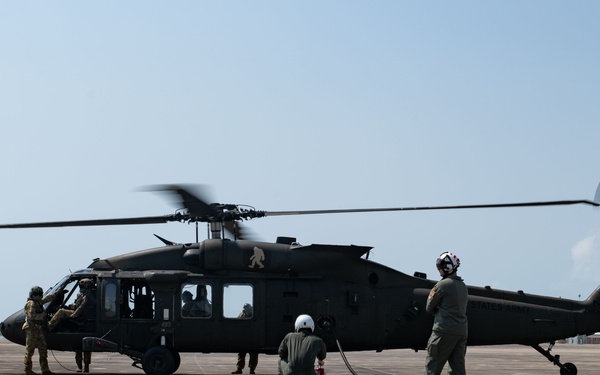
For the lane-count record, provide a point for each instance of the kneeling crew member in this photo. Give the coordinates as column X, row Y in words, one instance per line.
column 299, row 349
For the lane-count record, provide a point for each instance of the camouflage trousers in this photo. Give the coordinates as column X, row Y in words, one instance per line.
column 58, row 316
column 83, row 358
column 252, row 361
column 36, row 340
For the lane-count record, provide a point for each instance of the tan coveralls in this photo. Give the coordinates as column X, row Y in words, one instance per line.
column 73, row 312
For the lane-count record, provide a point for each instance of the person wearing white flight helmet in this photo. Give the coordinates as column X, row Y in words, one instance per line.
column 447, row 302
column 299, row 349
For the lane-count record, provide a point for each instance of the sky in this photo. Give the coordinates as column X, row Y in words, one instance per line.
column 305, row 106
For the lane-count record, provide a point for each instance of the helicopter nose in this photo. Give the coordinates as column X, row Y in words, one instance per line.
column 12, row 328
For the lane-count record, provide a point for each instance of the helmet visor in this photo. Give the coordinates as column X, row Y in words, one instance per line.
column 439, row 263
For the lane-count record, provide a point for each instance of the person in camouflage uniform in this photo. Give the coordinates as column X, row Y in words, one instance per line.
column 77, row 308
column 246, row 313
column 35, row 320
column 83, row 358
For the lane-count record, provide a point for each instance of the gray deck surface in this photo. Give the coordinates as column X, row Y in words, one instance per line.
column 489, row 360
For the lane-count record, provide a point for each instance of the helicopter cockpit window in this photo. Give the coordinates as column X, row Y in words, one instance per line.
column 74, row 310
column 238, row 301
column 55, row 287
column 196, row 301
column 136, row 300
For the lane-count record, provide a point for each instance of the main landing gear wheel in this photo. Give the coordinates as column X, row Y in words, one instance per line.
column 176, row 360
column 568, row 369
column 158, row 360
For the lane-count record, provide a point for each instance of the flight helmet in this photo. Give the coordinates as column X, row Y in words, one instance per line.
column 85, row 283
column 36, row 292
column 304, row 322
column 447, row 262
column 187, row 296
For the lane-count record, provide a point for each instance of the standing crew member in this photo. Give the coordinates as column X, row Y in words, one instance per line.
column 83, row 358
column 447, row 301
column 298, row 350
column 35, row 320
column 247, row 313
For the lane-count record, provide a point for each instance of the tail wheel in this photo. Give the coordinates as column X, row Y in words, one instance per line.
column 568, row 369
column 158, row 360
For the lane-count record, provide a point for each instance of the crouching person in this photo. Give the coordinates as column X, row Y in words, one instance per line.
column 299, row 349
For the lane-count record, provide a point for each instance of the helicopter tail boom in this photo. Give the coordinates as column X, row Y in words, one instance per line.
column 589, row 322
column 594, row 298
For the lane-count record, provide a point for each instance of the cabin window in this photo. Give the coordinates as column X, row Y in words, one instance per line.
column 238, row 301
column 196, row 300
column 136, row 300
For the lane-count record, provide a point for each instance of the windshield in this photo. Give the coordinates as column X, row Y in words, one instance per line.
column 57, row 286
column 63, row 282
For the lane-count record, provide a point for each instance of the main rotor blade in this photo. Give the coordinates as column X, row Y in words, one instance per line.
column 89, row 223
column 190, row 197
column 498, row 205
column 200, row 211
column 238, row 230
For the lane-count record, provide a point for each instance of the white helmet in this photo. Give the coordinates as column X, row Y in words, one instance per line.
column 447, row 262
column 303, row 322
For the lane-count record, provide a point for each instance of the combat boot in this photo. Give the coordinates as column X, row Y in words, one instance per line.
column 238, row 371
column 86, row 368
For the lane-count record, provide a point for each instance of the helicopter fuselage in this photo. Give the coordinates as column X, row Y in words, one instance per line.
column 138, row 303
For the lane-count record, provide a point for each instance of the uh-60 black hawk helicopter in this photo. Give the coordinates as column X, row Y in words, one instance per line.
column 137, row 307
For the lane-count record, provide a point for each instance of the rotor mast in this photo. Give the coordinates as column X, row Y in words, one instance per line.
column 216, row 227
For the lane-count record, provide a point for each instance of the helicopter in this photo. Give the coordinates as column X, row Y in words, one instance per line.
column 154, row 304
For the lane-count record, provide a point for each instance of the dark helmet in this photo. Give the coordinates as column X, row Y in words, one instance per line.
column 85, row 283
column 36, row 292
column 186, row 296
